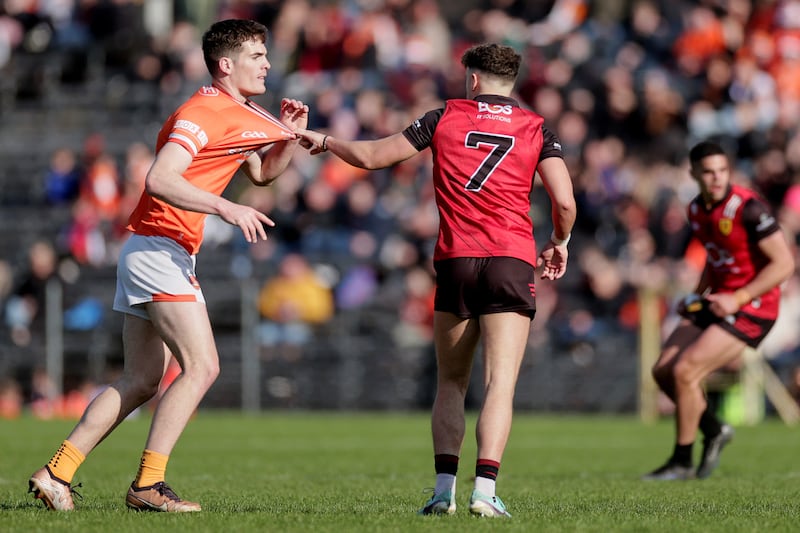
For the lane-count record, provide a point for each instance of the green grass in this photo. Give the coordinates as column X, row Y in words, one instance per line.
column 365, row 472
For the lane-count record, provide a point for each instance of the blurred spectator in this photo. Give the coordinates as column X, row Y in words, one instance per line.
column 47, row 404
column 628, row 86
column 138, row 159
column 415, row 327
column 100, row 189
column 292, row 302
column 86, row 240
column 357, row 288
column 6, row 282
column 25, row 307
column 703, row 38
column 44, row 395
column 11, row 33
column 11, row 399
column 63, row 177
column 96, row 212
column 72, row 405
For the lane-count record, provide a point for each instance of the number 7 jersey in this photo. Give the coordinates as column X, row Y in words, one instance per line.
column 485, row 154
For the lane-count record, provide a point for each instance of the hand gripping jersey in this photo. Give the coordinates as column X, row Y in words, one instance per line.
column 485, row 153
column 220, row 133
column 730, row 232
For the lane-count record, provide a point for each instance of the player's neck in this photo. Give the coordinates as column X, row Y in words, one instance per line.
column 230, row 91
column 710, row 201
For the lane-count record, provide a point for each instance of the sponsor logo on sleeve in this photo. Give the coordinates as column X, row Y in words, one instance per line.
column 190, row 127
column 765, row 221
column 187, row 125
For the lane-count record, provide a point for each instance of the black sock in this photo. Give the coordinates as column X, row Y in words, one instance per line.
column 445, row 464
column 713, row 401
column 487, row 468
column 682, row 455
column 710, row 424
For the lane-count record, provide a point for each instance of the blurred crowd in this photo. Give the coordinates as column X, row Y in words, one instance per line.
column 628, row 85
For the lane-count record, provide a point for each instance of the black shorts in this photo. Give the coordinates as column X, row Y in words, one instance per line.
column 746, row 327
column 472, row 286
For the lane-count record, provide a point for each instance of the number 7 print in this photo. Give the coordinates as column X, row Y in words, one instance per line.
column 502, row 144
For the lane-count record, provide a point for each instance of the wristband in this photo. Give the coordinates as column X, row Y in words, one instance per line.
column 559, row 242
column 325, row 143
column 742, row 297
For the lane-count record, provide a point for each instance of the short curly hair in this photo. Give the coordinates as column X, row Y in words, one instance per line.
column 494, row 59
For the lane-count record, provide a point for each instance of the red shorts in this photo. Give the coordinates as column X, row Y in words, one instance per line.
column 472, row 286
column 744, row 326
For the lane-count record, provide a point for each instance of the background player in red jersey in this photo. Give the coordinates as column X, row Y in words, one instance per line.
column 734, row 306
column 200, row 147
column 486, row 152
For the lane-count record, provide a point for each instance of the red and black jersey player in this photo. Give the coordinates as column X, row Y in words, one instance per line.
column 486, row 150
column 734, row 306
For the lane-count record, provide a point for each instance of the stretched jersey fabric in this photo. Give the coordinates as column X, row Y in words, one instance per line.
column 220, row 133
column 730, row 231
column 485, row 153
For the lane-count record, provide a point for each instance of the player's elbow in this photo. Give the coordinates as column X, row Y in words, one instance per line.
column 261, row 176
column 788, row 267
column 365, row 155
column 565, row 206
column 153, row 185
column 364, row 161
column 265, row 179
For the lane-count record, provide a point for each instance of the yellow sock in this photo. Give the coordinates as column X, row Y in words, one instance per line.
column 66, row 461
column 152, row 469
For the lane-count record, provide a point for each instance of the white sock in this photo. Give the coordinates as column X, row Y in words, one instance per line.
column 485, row 485
column 445, row 482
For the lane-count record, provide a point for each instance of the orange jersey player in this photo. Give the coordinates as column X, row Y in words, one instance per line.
column 220, row 133
column 199, row 149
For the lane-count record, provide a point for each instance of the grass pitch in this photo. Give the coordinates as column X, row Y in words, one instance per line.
column 365, row 472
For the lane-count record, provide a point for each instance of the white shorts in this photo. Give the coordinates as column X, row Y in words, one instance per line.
column 154, row 269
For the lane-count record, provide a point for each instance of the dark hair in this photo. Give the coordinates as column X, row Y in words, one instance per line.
column 495, row 59
column 226, row 37
column 705, row 149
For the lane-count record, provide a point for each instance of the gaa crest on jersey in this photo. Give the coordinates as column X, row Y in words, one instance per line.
column 209, row 90
column 725, row 226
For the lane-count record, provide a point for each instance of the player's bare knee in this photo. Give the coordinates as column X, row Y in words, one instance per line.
column 212, row 372
column 202, row 372
column 143, row 389
column 685, row 374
